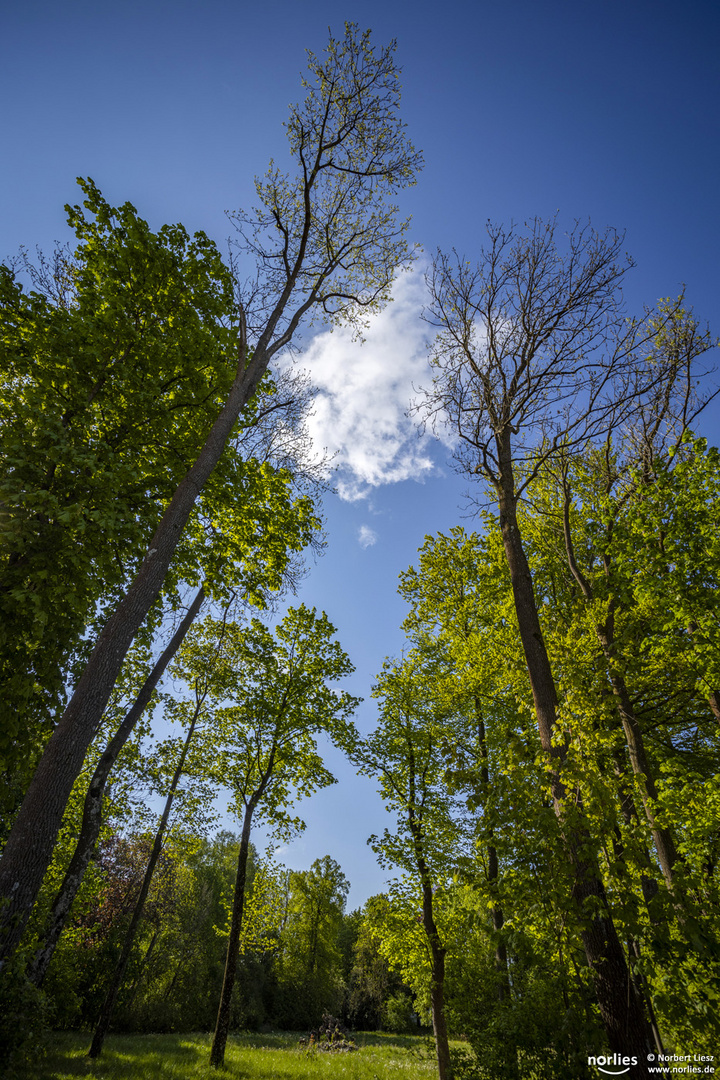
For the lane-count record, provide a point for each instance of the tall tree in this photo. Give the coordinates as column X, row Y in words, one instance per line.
column 326, row 240
column 621, row 558
column 249, row 553
column 455, row 600
column 107, row 335
column 268, row 699
column 406, row 753
column 533, row 354
column 320, row 892
column 192, row 714
column 309, row 962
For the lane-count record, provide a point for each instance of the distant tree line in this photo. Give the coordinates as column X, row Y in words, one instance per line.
column 300, row 954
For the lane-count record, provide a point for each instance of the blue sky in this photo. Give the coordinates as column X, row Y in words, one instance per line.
column 599, row 109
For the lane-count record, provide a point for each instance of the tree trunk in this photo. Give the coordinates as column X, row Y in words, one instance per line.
column 697, row 937
column 647, row 998
column 132, row 992
column 119, row 973
column 437, row 984
column 92, row 812
column 222, row 1027
column 498, row 919
column 29, row 847
column 648, row 881
column 437, row 949
column 662, row 837
column 620, row 1009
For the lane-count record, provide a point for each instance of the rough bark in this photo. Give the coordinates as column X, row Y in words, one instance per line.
column 714, row 702
column 498, row 921
column 92, row 811
column 620, row 1009
column 30, row 844
column 119, row 974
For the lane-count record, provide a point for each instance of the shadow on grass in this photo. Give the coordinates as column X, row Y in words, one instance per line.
column 130, row 1057
column 386, row 1038
column 269, row 1040
column 186, row 1056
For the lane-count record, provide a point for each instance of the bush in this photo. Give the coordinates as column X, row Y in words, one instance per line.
column 398, row 1015
column 24, row 1020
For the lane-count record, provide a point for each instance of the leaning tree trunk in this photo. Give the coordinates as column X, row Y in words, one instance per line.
column 714, row 702
column 697, row 936
column 119, row 974
column 605, row 633
column 92, row 812
column 29, row 847
column 662, row 836
column 620, row 1009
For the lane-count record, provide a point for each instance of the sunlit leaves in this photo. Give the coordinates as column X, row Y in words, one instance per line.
column 268, row 700
column 107, row 392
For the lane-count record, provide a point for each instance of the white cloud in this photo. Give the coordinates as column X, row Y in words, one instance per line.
column 366, row 536
column 364, row 390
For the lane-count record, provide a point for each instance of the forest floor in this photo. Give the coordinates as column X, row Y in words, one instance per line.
column 275, row 1056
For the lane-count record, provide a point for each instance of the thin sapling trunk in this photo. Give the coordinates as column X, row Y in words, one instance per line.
column 120, row 968
column 92, row 811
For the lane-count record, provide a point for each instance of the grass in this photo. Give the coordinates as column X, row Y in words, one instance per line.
column 249, row 1057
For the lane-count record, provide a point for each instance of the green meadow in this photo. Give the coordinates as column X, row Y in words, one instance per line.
column 276, row 1056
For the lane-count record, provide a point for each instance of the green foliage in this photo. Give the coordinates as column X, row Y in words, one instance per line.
column 544, row 1028
column 310, row 962
column 176, row 967
column 261, row 699
column 267, row 701
column 645, row 547
column 25, row 1014
column 377, row 998
column 625, row 564
column 104, row 405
